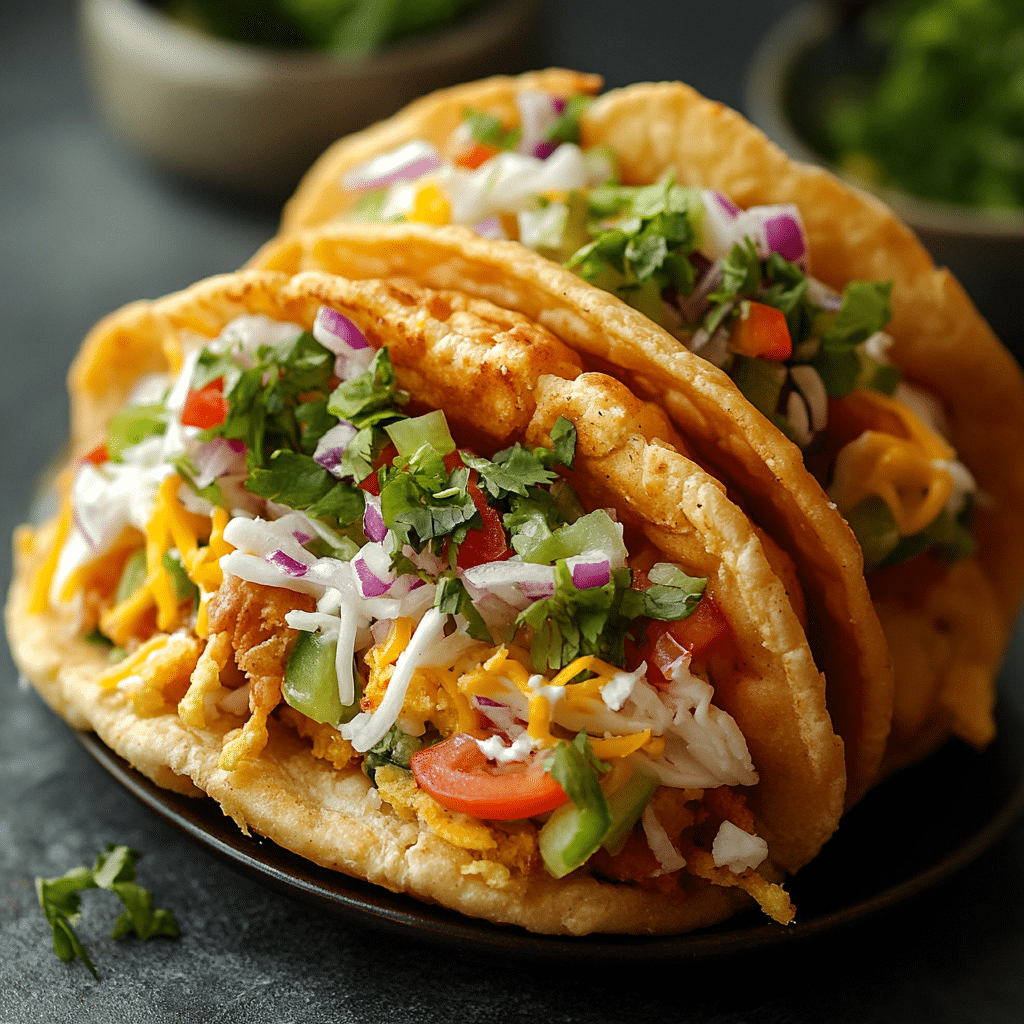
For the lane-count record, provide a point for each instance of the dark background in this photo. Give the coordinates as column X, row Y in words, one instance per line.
column 87, row 226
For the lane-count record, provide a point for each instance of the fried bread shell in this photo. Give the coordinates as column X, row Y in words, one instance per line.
column 942, row 345
column 333, row 817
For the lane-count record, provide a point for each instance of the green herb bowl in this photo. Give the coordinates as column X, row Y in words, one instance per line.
column 796, row 69
column 251, row 119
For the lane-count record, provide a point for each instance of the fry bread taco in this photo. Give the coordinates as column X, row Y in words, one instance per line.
column 384, row 572
column 887, row 394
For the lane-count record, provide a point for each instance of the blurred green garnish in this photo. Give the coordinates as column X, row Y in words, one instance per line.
column 945, row 119
column 352, row 28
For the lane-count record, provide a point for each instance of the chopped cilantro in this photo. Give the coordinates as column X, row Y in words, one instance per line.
column 573, row 622
column 646, row 247
column 453, row 599
column 566, row 128
column 487, row 129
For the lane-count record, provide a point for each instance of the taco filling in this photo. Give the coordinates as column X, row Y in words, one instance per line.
column 277, row 533
column 732, row 285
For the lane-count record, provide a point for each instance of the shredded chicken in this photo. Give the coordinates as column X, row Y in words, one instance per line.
column 253, row 616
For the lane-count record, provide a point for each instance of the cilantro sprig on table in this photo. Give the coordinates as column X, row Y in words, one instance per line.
column 114, row 871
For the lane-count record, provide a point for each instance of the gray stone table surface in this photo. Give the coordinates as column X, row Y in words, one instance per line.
column 86, row 226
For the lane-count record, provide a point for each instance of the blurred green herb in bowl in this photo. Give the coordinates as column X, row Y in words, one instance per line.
column 943, row 118
column 351, row 28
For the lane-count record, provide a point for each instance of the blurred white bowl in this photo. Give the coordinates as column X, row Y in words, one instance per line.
column 253, row 119
column 983, row 248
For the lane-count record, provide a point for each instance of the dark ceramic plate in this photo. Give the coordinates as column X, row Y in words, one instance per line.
column 847, row 882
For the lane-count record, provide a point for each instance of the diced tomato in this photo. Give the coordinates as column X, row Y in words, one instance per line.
column 97, row 456
column 664, row 642
column 488, row 544
column 762, row 331
column 206, row 407
column 457, row 775
column 372, row 484
column 479, row 154
column 453, row 461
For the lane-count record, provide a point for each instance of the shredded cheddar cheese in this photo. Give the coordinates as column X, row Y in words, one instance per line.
column 40, row 597
column 908, row 473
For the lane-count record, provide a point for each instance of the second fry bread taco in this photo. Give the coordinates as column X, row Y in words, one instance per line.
column 820, row 306
column 381, row 570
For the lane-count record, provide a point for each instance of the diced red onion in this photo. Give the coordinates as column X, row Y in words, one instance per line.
column 726, row 204
column 532, row 580
column 335, row 331
column 405, row 163
column 380, row 630
column 823, row 296
column 486, row 701
column 217, row 458
column 290, row 565
column 330, row 449
column 785, row 235
column 302, row 538
column 536, row 115
column 694, row 306
column 544, row 149
column 372, row 569
column 490, row 228
column 83, row 528
column 373, row 521
column 589, row 572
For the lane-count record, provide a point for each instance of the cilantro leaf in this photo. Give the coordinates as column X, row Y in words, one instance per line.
column 115, row 871
column 453, row 599
column 488, row 129
column 566, row 128
column 647, row 248
column 512, row 471
column 371, row 397
column 563, row 437
column 572, row 622
column 866, row 309
column 672, row 595
column 577, row 769
column 60, row 902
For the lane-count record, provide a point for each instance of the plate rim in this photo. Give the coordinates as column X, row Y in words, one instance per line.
column 365, row 903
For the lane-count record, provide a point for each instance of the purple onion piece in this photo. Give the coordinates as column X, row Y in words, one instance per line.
column 490, row 228
column 290, row 565
column 727, row 205
column 336, row 332
column 302, row 538
column 370, row 584
column 486, row 701
column 558, row 102
column 586, row 575
column 80, row 523
column 544, row 149
column 406, row 163
column 330, row 449
column 373, row 521
column 785, row 236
